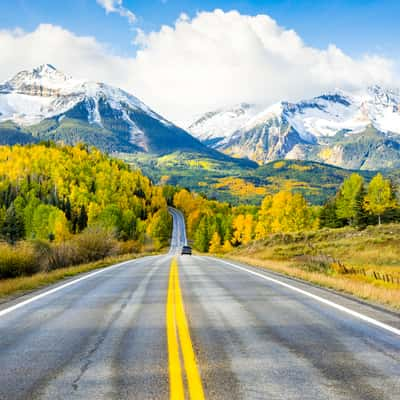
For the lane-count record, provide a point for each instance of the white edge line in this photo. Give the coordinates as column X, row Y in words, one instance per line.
column 58, row 288
column 346, row 310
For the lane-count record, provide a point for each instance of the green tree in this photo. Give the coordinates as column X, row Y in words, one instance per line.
column 29, row 211
column 110, row 218
column 169, row 193
column 3, row 212
column 380, row 196
column 160, row 228
column 328, row 217
column 129, row 224
column 82, row 219
column 361, row 217
column 49, row 222
column 13, row 225
column 349, row 204
column 88, row 186
column 201, row 236
column 68, row 209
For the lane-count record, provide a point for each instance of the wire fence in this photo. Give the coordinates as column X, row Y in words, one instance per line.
column 379, row 276
column 325, row 263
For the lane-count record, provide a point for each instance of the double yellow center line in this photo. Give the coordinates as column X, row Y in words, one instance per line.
column 180, row 344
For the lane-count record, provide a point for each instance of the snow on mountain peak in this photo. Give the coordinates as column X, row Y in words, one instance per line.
column 219, row 124
column 313, row 120
column 383, row 108
column 46, row 77
column 47, row 70
column 382, row 96
column 46, row 92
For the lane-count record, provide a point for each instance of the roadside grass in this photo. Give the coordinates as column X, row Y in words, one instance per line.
column 14, row 287
column 325, row 258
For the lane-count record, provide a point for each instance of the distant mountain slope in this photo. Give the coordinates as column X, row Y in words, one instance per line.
column 11, row 134
column 46, row 104
column 359, row 132
column 228, row 181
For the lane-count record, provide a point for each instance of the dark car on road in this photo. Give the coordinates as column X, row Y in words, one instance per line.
column 186, row 250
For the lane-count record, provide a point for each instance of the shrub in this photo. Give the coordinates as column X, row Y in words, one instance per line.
column 63, row 255
column 130, row 246
column 43, row 252
column 27, row 258
column 94, row 244
column 18, row 260
column 319, row 263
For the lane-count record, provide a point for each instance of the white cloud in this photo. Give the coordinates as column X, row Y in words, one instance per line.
column 115, row 6
column 79, row 56
column 220, row 58
column 213, row 60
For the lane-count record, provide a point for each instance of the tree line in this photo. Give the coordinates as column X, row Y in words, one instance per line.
column 218, row 227
column 51, row 192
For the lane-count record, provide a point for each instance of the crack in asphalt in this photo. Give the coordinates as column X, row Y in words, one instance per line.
column 116, row 315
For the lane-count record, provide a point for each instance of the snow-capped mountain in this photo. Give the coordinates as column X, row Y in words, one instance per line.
column 353, row 131
column 47, row 104
column 212, row 127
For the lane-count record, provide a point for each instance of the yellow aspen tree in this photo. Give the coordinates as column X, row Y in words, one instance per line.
column 60, row 227
column 247, row 235
column 238, row 228
column 379, row 197
column 215, row 244
column 227, row 247
column 290, row 213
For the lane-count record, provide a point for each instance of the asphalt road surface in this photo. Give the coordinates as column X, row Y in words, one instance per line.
column 199, row 328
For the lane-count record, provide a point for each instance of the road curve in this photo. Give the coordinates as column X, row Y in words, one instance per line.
column 105, row 337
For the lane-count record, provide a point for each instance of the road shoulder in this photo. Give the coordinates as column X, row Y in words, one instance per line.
column 370, row 309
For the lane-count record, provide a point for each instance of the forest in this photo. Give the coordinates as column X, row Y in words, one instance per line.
column 68, row 205
column 218, row 227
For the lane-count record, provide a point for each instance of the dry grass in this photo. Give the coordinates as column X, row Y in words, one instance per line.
column 378, row 292
column 375, row 249
column 18, row 260
column 27, row 258
column 21, row 285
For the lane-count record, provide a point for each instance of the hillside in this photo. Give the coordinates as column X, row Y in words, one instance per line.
column 235, row 183
column 52, row 192
column 323, row 257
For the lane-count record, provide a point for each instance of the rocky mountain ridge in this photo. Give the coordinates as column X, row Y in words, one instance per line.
column 339, row 128
column 45, row 103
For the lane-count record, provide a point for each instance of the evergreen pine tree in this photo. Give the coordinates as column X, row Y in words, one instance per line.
column 13, row 226
column 82, row 219
column 328, row 217
column 361, row 217
column 68, row 210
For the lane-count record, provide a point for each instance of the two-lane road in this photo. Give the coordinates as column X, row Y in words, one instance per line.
column 120, row 333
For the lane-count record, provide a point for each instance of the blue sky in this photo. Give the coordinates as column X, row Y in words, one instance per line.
column 356, row 26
